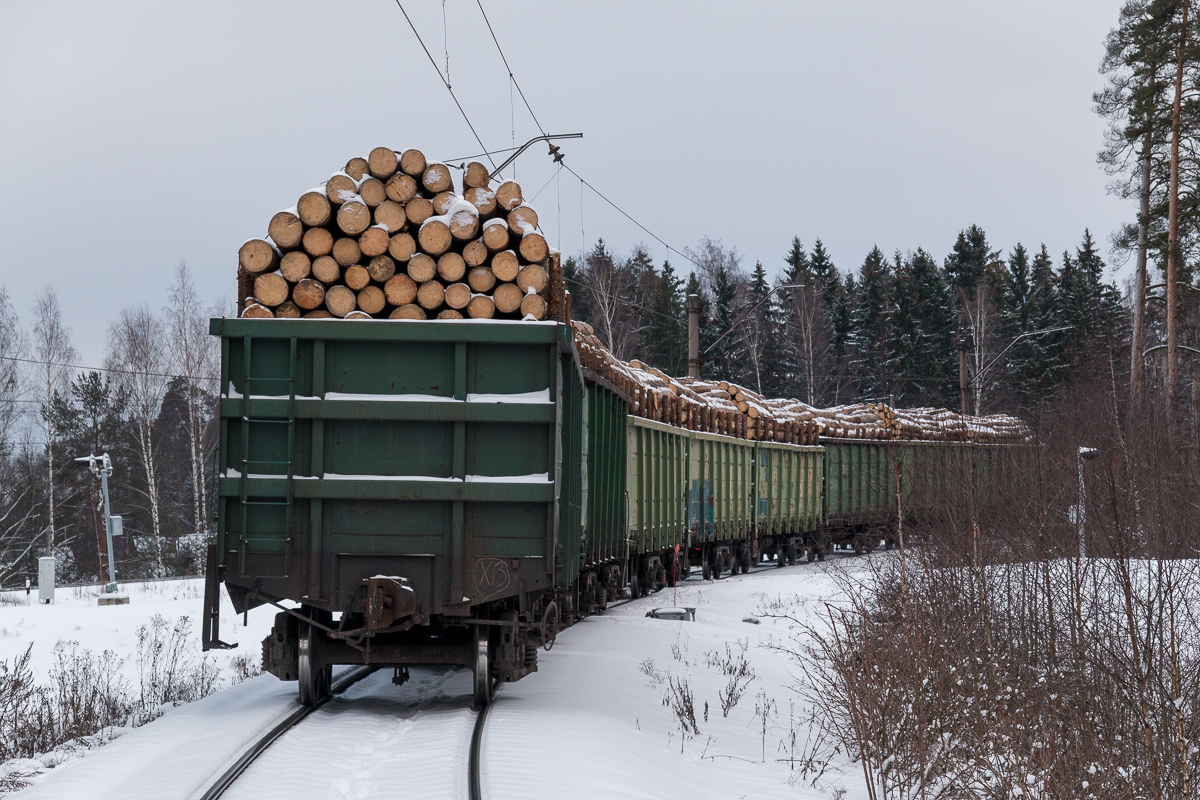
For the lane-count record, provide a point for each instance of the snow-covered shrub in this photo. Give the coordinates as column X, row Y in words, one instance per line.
column 245, row 666
column 170, row 670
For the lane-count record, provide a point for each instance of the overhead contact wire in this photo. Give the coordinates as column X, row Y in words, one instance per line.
column 445, row 83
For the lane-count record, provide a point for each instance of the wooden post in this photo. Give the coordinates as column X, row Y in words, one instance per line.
column 963, row 344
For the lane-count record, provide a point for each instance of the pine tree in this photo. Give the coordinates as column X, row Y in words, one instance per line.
column 922, row 349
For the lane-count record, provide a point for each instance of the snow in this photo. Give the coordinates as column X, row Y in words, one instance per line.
column 334, row 476
column 406, row 398
column 540, row 396
column 495, row 221
column 537, row 477
column 74, row 616
column 590, row 723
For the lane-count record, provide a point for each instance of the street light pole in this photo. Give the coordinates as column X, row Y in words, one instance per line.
column 1085, row 454
column 101, row 467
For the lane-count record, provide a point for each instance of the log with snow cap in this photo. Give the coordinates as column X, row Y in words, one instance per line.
column 389, row 236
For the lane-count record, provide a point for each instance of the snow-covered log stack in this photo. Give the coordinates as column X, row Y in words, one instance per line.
column 389, row 238
column 726, row 408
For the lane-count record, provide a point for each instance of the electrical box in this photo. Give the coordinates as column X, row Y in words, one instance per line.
column 118, row 526
column 46, row 579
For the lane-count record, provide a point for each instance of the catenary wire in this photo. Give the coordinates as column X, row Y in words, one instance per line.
column 627, row 216
column 445, row 82
column 109, row 369
column 507, row 67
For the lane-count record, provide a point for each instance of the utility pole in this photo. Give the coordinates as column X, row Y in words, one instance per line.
column 694, row 336
column 101, row 467
column 963, row 344
column 1085, row 454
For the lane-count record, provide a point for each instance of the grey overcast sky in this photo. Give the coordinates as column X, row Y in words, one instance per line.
column 136, row 134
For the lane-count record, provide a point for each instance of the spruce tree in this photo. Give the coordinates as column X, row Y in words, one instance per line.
column 722, row 361
column 665, row 338
column 870, row 323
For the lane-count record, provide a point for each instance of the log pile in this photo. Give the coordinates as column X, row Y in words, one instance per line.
column 726, row 408
column 388, row 237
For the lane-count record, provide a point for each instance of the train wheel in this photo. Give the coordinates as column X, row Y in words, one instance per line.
column 480, row 667
column 634, row 586
column 706, row 568
column 314, row 681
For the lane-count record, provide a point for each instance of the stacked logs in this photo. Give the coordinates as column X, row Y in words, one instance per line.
column 726, row 408
column 388, row 238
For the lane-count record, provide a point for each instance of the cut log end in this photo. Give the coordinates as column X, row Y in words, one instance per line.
column 508, row 196
column 476, row 176
column 340, row 188
column 431, row 295
column 340, row 301
column 507, row 298
column 373, row 242
column 401, row 188
column 270, row 289
column 295, row 266
column 481, row 307
column 381, row 268
column 413, row 163
column 422, row 268
column 400, row 290
column 436, row 178
column 475, row 253
column 346, row 252
column 314, row 209
column 357, row 167
column 451, row 267
column 371, row 299
column 418, row 210
column 356, row 277
column 372, row 192
column 481, row 279
column 408, row 311
column 402, row 247
column 353, row 217
column 383, row 162
column 317, row 242
column 435, row 237
column 458, row 295
column 309, row 294
column 285, row 230
column 533, row 247
column 506, row 265
column 327, row 270
column 533, row 276
column 257, row 256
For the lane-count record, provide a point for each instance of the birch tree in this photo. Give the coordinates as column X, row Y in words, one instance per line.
column 193, row 357
column 52, row 354
column 137, row 358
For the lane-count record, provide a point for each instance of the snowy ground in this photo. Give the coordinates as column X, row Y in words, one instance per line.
column 591, row 723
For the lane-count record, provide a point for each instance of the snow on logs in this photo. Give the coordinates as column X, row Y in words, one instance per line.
column 387, row 236
column 726, row 408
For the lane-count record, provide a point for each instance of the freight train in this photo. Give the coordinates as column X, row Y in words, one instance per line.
column 454, row 492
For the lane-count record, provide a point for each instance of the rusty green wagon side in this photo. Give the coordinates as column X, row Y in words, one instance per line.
column 416, row 487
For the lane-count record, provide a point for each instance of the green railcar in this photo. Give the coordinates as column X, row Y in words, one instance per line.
column 605, row 541
column 789, row 508
column 422, row 480
column 658, row 522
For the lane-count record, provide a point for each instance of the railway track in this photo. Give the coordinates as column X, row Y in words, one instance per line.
column 361, row 740
column 694, row 576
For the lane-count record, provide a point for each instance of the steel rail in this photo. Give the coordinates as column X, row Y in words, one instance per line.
column 292, row 720
column 474, row 781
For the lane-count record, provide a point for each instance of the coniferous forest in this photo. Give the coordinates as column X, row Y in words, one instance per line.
column 888, row 329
